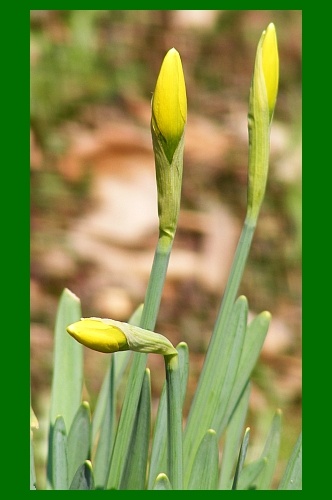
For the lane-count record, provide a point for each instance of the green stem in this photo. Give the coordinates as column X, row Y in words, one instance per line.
column 174, row 422
column 137, row 370
column 199, row 419
column 156, row 283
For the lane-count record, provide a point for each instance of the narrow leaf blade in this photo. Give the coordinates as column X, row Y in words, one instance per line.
column 32, row 466
column 59, row 455
column 219, row 340
column 211, row 401
column 232, row 441
column 174, row 422
column 242, row 456
column 68, row 362
column 67, row 378
column 249, row 474
column 292, row 478
column 271, row 452
column 204, row 473
column 158, row 461
column 78, row 441
column 134, row 474
column 253, row 342
column 126, row 422
column 83, row 479
column 103, row 452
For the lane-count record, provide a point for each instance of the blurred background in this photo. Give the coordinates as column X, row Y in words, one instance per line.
column 94, row 221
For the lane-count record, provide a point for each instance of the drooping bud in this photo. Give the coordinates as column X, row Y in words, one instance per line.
column 108, row 335
column 95, row 334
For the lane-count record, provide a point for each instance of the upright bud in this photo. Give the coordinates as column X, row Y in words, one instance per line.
column 169, row 103
column 108, row 335
column 169, row 116
column 262, row 99
column 270, row 64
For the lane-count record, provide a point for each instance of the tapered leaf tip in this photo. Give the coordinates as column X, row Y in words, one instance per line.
column 162, row 475
column 86, row 405
column 267, row 315
column 70, row 294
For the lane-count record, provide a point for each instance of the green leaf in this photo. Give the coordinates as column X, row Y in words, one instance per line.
column 99, row 411
column 126, row 423
column 134, row 474
column 68, row 362
column 253, row 342
column 127, row 420
column 158, row 461
column 105, row 439
column 232, row 441
column 103, row 423
column 205, row 390
column 67, row 378
column 174, row 422
column 210, row 404
column 249, row 474
column 83, row 479
column 231, row 359
column 271, row 452
column 78, row 441
column 32, row 466
column 59, row 455
column 242, row 456
column 132, row 394
column 183, row 354
column 162, row 483
column 204, row 473
column 292, row 478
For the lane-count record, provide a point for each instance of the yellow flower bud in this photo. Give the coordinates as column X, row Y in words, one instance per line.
column 270, row 64
column 263, row 95
column 108, row 335
column 169, row 103
column 96, row 335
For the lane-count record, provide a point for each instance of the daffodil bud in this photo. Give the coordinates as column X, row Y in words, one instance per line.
column 270, row 64
column 169, row 116
column 108, row 335
column 262, row 99
column 169, row 103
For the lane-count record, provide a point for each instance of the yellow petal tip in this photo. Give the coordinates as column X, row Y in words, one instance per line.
column 95, row 334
